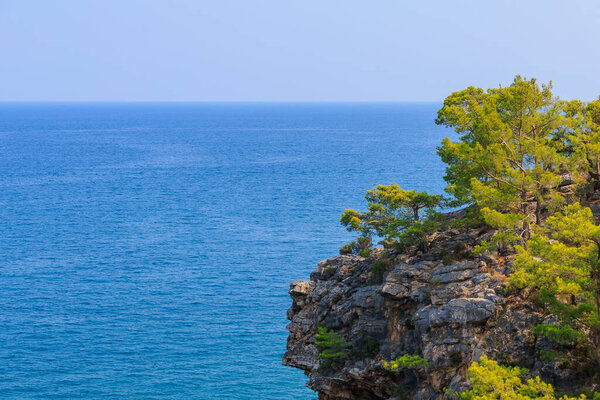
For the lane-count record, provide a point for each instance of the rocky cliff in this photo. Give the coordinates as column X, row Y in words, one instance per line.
column 445, row 305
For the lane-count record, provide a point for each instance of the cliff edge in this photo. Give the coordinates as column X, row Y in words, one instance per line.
column 445, row 305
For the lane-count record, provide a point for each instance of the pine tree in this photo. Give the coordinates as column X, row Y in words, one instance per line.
column 393, row 213
column 331, row 347
column 491, row 381
column 506, row 159
column 582, row 138
column 564, row 264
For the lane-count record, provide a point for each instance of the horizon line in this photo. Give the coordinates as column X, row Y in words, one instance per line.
column 227, row 101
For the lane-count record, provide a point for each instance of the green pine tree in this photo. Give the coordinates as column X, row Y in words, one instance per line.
column 331, row 347
column 564, row 264
column 581, row 138
column 506, row 159
column 491, row 381
column 394, row 213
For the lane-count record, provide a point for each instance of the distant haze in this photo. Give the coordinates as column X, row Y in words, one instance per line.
column 287, row 50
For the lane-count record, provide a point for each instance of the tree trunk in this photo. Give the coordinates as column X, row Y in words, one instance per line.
column 526, row 224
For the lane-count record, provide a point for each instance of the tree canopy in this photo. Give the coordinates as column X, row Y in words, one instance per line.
column 495, row 382
column 393, row 213
column 581, row 138
column 529, row 164
column 506, row 159
column 563, row 262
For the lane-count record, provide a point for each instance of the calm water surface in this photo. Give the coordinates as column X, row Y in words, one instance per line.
column 146, row 249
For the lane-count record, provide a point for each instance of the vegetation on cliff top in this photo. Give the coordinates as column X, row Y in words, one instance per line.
column 394, row 214
column 528, row 163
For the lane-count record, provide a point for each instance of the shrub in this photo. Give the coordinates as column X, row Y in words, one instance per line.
column 346, row 249
column 472, row 219
column 365, row 253
column 361, row 246
column 549, row 355
column 406, row 361
column 493, row 381
column 378, row 270
column 415, row 364
column 331, row 347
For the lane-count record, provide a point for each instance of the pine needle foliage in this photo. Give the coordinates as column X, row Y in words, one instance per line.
column 563, row 262
column 528, row 164
column 393, row 213
column 495, row 382
column 331, row 346
column 406, row 361
column 507, row 156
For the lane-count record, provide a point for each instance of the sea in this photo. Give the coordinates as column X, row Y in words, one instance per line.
column 146, row 249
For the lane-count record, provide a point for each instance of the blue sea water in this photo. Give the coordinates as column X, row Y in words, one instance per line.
column 146, row 250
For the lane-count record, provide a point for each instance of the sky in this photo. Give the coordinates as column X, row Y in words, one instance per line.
column 288, row 50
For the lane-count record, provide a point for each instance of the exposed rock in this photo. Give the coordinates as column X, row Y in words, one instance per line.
column 449, row 312
column 455, row 311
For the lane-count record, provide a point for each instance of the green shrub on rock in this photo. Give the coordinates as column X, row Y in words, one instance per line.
column 406, row 361
column 492, row 381
column 378, row 270
column 331, row 347
column 361, row 246
column 346, row 249
column 415, row 364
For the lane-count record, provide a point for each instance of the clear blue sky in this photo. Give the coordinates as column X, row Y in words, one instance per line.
column 288, row 50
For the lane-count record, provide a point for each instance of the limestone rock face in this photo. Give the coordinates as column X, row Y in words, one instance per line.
column 450, row 313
